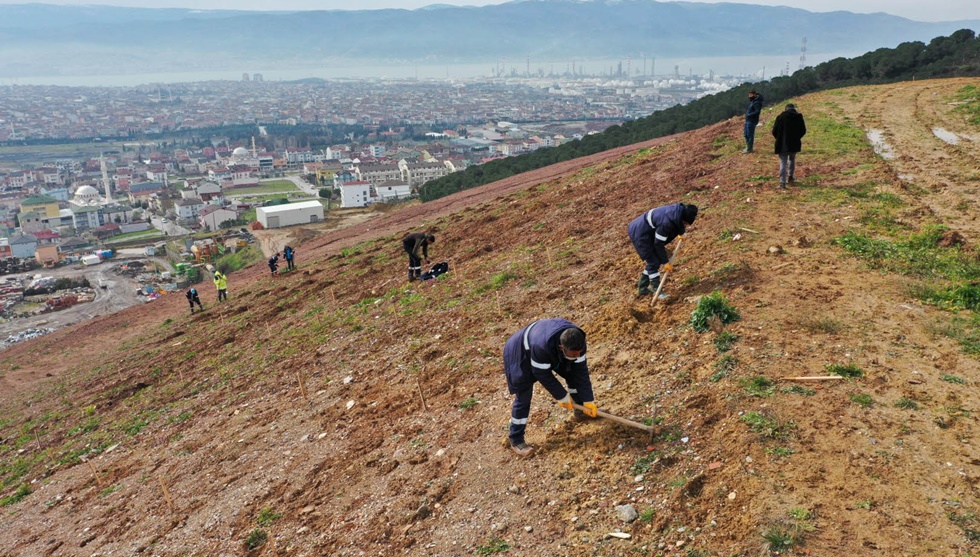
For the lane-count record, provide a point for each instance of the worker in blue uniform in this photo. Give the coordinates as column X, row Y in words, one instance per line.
column 536, row 354
column 650, row 234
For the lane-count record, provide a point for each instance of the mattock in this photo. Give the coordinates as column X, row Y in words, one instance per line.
column 617, row 419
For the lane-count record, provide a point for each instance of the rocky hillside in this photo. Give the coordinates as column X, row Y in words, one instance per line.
column 339, row 410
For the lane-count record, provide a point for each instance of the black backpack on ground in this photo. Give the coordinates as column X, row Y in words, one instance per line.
column 436, row 270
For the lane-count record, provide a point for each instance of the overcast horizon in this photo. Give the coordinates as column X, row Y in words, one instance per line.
column 939, row 10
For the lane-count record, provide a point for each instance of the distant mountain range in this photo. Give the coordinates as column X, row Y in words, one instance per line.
column 38, row 39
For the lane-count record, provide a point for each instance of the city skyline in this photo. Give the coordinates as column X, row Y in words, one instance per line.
column 940, row 10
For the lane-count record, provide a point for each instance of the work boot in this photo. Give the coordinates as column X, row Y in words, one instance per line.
column 747, row 150
column 782, row 185
column 792, row 180
column 522, row 449
column 643, row 285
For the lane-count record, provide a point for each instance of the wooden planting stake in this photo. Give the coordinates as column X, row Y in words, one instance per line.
column 332, row 295
column 95, row 474
column 815, row 378
column 166, row 494
column 38, row 439
column 418, row 384
column 302, row 387
column 547, row 250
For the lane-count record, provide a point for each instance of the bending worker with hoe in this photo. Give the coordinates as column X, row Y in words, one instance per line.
column 650, row 233
column 535, row 354
column 411, row 244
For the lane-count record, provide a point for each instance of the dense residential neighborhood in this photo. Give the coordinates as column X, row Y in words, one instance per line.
column 196, row 153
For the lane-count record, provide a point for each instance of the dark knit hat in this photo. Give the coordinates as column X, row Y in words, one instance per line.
column 690, row 213
column 791, row 106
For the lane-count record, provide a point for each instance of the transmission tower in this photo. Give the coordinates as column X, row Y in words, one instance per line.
column 803, row 54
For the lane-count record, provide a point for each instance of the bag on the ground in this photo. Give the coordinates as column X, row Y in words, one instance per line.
column 436, row 270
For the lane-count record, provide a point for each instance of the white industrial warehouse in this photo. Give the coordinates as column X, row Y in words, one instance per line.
column 277, row 216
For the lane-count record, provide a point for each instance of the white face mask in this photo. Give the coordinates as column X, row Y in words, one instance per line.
column 567, row 357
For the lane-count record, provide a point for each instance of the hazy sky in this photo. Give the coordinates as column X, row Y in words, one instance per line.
column 919, row 10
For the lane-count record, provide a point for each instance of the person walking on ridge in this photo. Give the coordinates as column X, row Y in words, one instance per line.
column 788, row 129
column 752, row 114
column 289, row 253
column 650, row 233
column 193, row 298
column 411, row 244
column 537, row 353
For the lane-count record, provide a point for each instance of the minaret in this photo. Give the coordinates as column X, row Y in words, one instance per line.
column 105, row 180
column 254, row 152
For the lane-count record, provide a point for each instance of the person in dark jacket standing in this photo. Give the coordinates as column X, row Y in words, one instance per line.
column 289, row 253
column 788, row 129
column 193, row 298
column 752, row 119
column 535, row 354
column 650, row 234
column 412, row 244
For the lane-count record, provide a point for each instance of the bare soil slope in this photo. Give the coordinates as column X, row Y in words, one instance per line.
column 339, row 410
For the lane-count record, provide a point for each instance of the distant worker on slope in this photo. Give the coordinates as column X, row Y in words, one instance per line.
column 650, row 234
column 274, row 263
column 221, row 283
column 289, row 253
column 788, row 129
column 535, row 354
column 412, row 243
column 752, row 119
column 193, row 298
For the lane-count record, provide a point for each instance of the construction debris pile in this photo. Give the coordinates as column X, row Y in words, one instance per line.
column 13, row 265
column 26, row 334
column 151, row 283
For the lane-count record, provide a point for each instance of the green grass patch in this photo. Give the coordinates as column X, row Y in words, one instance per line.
column 496, row 283
column 267, row 516
column 767, row 427
column 921, row 256
column 723, row 367
column 264, row 188
column 468, row 403
column 863, row 400
column 255, row 539
column 493, row 545
column 819, row 324
column 969, row 103
column 23, row 491
column 799, row 390
column 906, row 404
column 850, row 371
column 724, row 341
column 758, row 386
column 781, row 452
column 249, row 255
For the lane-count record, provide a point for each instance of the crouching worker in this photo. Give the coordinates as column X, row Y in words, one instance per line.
column 650, row 233
column 193, row 298
column 411, row 244
column 535, row 354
